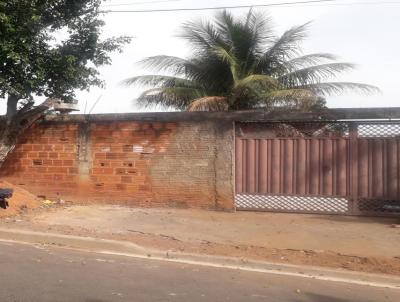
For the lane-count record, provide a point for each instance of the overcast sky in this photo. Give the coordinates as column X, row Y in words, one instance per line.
column 368, row 35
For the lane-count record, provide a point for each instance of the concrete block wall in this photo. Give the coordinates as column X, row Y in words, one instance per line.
column 138, row 163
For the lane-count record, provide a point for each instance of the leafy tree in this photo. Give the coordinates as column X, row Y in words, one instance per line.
column 47, row 48
column 240, row 64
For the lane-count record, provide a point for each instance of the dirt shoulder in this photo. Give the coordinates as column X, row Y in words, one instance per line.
column 359, row 244
column 20, row 202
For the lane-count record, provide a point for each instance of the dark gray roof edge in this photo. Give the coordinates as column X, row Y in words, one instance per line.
column 330, row 114
column 240, row 116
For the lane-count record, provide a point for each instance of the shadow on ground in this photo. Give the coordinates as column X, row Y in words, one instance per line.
column 324, row 298
column 354, row 219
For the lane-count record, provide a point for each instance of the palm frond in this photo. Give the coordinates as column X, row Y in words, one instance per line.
column 260, row 25
column 158, row 81
column 210, row 103
column 283, row 48
column 174, row 65
column 170, row 97
column 314, row 74
column 334, row 88
column 224, row 23
column 245, row 38
column 288, row 44
column 258, row 34
column 231, row 60
column 203, row 36
column 259, row 80
column 298, row 99
column 308, row 60
column 212, row 73
column 287, row 94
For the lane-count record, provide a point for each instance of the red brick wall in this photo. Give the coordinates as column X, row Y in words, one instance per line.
column 45, row 158
column 135, row 163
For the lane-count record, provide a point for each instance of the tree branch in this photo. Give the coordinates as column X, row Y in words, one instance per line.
column 12, row 102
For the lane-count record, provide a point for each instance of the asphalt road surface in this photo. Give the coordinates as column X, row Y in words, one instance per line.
column 37, row 273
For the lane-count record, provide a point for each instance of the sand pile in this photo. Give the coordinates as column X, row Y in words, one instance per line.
column 21, row 200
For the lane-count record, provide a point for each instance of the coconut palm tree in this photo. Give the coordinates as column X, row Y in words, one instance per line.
column 240, row 64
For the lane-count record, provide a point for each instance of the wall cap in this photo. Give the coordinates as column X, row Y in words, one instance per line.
column 239, row 116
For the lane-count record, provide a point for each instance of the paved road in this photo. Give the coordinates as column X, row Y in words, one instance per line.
column 34, row 273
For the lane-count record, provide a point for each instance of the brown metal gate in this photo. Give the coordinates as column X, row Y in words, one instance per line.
column 348, row 168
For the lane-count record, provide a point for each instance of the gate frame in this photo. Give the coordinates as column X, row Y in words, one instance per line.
column 354, row 118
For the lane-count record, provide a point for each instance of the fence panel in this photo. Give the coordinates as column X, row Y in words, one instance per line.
column 335, row 168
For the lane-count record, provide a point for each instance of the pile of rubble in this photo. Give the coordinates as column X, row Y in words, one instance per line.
column 20, row 201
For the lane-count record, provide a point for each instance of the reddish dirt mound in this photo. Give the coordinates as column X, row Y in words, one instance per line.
column 21, row 200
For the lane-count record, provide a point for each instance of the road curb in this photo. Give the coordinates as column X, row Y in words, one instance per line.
column 129, row 249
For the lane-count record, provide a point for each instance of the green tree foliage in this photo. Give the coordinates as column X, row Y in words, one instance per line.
column 48, row 48
column 239, row 64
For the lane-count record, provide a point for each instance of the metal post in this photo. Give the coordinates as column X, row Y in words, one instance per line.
column 353, row 128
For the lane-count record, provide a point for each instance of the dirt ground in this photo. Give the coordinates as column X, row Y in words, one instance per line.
column 353, row 243
column 21, row 201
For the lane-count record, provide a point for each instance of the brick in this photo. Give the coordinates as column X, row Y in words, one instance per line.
column 37, row 162
column 39, row 169
column 126, row 179
column 24, row 161
column 71, row 178
column 42, row 140
column 48, row 148
column 120, row 187
column 96, row 171
column 58, row 177
column 57, row 162
column 135, row 163
column 101, row 163
column 128, row 164
column 101, row 133
column 68, row 162
column 100, row 156
column 116, row 155
column 64, row 140
column 116, row 163
column 38, row 147
column 69, row 148
column 108, row 178
column 27, row 147
column 158, row 126
column 70, row 133
column 120, row 171
column 67, row 155
column 149, row 133
column 171, row 126
column 53, row 155
column 144, row 188
column 47, row 162
column 122, row 135
column 127, row 148
column 61, row 170
column 73, row 170
column 43, row 155
column 128, row 125
column 33, row 154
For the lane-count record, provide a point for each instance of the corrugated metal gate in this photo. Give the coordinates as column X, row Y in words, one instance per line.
column 348, row 168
